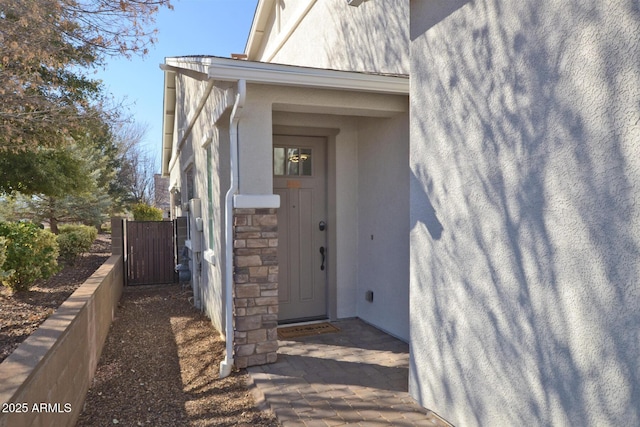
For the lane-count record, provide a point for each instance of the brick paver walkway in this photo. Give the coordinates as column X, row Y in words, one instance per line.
column 358, row 376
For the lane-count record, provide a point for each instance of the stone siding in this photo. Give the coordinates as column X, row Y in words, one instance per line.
column 255, row 286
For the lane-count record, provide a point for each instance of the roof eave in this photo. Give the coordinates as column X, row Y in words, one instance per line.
column 258, row 26
column 168, row 119
column 259, row 72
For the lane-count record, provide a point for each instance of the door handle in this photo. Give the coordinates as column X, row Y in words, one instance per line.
column 322, row 253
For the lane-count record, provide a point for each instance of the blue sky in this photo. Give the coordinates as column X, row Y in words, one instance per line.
column 194, row 27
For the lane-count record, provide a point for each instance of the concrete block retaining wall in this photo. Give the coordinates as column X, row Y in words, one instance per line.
column 45, row 380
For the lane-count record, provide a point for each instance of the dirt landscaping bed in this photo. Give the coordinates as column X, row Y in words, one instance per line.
column 160, row 367
column 21, row 313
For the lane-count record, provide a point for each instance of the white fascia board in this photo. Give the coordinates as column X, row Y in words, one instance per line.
column 288, row 75
column 169, row 102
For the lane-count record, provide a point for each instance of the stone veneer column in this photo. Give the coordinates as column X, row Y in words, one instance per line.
column 255, row 286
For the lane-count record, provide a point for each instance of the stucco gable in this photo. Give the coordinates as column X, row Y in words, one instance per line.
column 331, row 34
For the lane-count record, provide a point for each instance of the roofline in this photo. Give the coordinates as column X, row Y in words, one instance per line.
column 225, row 69
column 258, row 25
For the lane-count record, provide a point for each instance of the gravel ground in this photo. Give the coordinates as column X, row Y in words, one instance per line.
column 21, row 313
column 160, row 367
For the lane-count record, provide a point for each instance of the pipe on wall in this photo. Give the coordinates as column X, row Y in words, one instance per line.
column 227, row 364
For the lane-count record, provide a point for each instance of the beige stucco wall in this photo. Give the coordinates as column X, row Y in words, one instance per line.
column 210, row 129
column 525, row 211
column 383, row 223
column 337, row 36
column 254, row 143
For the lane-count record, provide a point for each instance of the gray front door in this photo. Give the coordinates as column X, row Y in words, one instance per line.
column 300, row 180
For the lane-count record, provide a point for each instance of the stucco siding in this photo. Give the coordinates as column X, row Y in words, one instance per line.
column 525, row 213
column 346, row 210
column 216, row 138
column 383, row 223
column 213, row 284
column 337, row 36
column 209, row 129
column 254, row 144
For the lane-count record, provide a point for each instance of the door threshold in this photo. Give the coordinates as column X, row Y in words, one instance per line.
column 302, row 322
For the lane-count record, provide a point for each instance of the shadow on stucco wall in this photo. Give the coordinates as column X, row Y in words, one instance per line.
column 371, row 38
column 525, row 140
column 423, row 211
column 427, row 14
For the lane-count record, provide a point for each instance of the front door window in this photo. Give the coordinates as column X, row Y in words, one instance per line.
column 292, row 161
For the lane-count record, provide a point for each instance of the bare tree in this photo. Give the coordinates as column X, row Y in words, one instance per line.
column 47, row 51
column 137, row 166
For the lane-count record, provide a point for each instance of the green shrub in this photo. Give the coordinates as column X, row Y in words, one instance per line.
column 106, row 228
column 89, row 231
column 31, row 254
column 143, row 212
column 3, row 257
column 75, row 240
